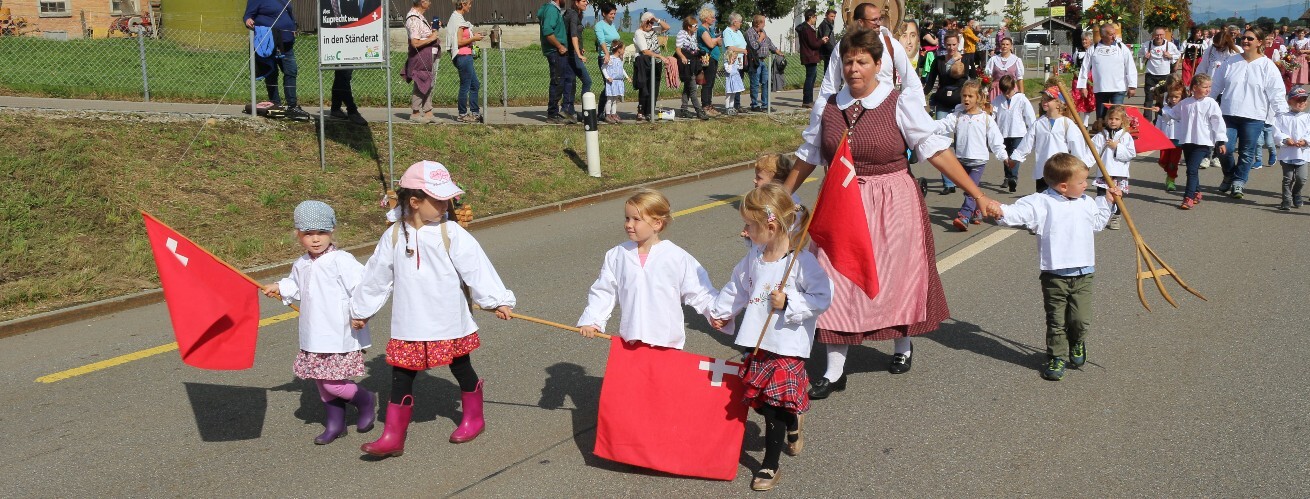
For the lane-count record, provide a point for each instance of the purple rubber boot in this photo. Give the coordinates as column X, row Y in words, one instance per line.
column 335, row 425
column 367, row 403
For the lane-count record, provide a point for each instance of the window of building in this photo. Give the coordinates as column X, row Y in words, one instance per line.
column 120, row 7
column 54, row 8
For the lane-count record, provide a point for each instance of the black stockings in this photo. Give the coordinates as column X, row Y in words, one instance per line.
column 402, row 380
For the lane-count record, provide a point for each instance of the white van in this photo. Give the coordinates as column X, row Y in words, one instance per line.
column 1036, row 38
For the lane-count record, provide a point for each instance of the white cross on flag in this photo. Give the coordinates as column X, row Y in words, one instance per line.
column 672, row 411
column 214, row 310
column 840, row 227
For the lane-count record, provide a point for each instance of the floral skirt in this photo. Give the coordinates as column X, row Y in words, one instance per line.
column 423, row 355
column 776, row 380
column 329, row 366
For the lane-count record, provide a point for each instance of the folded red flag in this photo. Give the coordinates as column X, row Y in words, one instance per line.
column 671, row 411
column 1146, row 137
column 214, row 309
column 840, row 226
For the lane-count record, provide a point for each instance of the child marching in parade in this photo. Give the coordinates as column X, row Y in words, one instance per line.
column 975, row 133
column 1292, row 132
column 1053, row 133
column 1170, row 158
column 331, row 352
column 1116, row 147
column 1014, row 117
column 783, row 313
column 1065, row 219
column 426, row 257
column 1200, row 127
column 650, row 279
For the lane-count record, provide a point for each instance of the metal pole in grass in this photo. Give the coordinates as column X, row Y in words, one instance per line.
column 653, row 91
column 253, row 112
column 504, row 85
column 322, row 123
column 141, row 48
column 484, row 91
column 767, row 83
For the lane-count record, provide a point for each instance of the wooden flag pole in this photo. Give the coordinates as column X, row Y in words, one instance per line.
column 545, row 322
column 1145, row 255
column 216, row 258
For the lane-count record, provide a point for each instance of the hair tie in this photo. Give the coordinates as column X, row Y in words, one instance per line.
column 770, row 216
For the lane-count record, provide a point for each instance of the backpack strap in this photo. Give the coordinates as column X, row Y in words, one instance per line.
column 445, row 240
column 887, row 43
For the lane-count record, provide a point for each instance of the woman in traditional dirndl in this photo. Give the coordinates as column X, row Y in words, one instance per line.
column 883, row 124
column 1005, row 63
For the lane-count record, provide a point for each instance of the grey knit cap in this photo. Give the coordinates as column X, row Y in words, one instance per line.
column 315, row 215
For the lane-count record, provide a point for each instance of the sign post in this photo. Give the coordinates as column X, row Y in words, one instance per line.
column 352, row 34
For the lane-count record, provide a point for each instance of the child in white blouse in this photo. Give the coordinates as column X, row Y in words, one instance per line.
column 426, row 257
column 1200, row 128
column 784, row 315
column 648, row 278
column 1116, row 148
column 975, row 133
column 1292, row 131
column 1064, row 219
column 1052, row 133
column 331, row 352
column 1014, row 116
column 1170, row 158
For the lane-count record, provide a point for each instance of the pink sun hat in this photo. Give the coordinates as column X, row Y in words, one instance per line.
column 433, row 178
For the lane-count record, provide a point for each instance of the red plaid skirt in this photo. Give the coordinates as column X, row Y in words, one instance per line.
column 776, row 380
column 423, row 355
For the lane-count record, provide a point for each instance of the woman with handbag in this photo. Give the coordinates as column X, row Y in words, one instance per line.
column 689, row 69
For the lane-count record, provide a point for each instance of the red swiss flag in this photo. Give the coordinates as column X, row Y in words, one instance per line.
column 840, row 227
column 1146, row 137
column 671, row 411
column 215, row 311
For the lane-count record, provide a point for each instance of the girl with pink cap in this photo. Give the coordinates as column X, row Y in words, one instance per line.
column 426, row 257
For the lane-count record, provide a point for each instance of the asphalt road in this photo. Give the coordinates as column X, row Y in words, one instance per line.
column 1204, row 400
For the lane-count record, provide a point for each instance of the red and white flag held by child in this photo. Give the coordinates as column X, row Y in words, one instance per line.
column 840, row 226
column 671, row 411
column 1146, row 137
column 214, row 309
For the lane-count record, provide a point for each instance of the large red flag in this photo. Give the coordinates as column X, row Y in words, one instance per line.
column 840, row 226
column 214, row 309
column 671, row 411
column 1146, row 137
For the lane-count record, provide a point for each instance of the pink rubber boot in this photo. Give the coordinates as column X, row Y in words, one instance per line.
column 392, row 442
column 473, row 424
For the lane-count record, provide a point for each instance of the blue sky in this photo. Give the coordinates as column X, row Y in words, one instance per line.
column 1270, row 8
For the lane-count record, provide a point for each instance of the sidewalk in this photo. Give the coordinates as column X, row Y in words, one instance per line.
column 787, row 101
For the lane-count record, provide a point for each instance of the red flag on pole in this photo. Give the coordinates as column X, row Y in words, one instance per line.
column 840, row 226
column 1146, row 137
column 214, row 310
column 671, row 411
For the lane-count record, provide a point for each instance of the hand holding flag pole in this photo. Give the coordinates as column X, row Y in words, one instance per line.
column 1144, row 253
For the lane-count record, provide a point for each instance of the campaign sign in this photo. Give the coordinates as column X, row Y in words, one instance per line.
column 351, row 32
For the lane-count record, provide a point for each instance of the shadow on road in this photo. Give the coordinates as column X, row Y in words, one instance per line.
column 973, row 338
column 227, row 413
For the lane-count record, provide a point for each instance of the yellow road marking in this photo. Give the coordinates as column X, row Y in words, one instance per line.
column 717, row 204
column 138, row 355
column 149, row 352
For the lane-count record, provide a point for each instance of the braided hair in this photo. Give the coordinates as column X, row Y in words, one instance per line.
column 403, row 196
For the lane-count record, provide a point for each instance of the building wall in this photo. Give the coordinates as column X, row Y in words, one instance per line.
column 80, row 19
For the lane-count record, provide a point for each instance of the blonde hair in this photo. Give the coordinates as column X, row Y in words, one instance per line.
column 776, row 165
column 706, row 14
column 1101, row 124
column 650, row 203
column 1061, row 167
column 1199, row 79
column 771, row 200
column 977, row 91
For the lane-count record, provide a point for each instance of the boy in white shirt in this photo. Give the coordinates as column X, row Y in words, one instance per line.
column 1064, row 219
column 1292, row 132
column 1014, row 117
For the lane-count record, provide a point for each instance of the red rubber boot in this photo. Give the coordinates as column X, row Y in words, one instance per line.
column 472, row 424
column 392, row 442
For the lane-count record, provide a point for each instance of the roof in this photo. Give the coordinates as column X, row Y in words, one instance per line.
column 1304, row 15
column 1053, row 23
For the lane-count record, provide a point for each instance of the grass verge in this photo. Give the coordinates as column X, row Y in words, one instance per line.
column 74, row 184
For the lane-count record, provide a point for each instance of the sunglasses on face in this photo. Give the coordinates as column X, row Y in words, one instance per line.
column 1249, row 38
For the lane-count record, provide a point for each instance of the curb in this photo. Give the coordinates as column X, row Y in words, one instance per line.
column 46, row 320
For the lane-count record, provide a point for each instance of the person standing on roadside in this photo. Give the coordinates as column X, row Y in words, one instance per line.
column 554, row 34
column 605, row 36
column 423, row 51
column 648, row 65
column 810, row 44
column 460, row 38
column 276, row 17
column 711, row 44
column 828, row 32
column 759, row 48
column 577, row 57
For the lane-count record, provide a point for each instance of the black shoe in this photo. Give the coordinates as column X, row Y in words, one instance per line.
column 295, row 113
column 555, row 119
column 338, row 114
column 821, row 387
column 702, row 115
column 901, row 363
column 1014, row 184
column 947, row 190
column 356, row 118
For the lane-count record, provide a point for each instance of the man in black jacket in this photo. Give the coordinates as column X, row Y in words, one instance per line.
column 826, row 32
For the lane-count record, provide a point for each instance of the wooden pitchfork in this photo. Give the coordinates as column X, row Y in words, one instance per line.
column 1145, row 255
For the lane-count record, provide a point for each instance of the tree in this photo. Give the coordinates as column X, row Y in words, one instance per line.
column 968, row 9
column 1284, row 21
column 1014, row 15
column 916, row 9
column 627, row 18
column 682, row 8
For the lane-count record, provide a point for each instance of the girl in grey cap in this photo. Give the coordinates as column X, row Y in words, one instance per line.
column 331, row 352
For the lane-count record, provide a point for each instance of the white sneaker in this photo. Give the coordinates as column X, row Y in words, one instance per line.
column 1205, row 163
